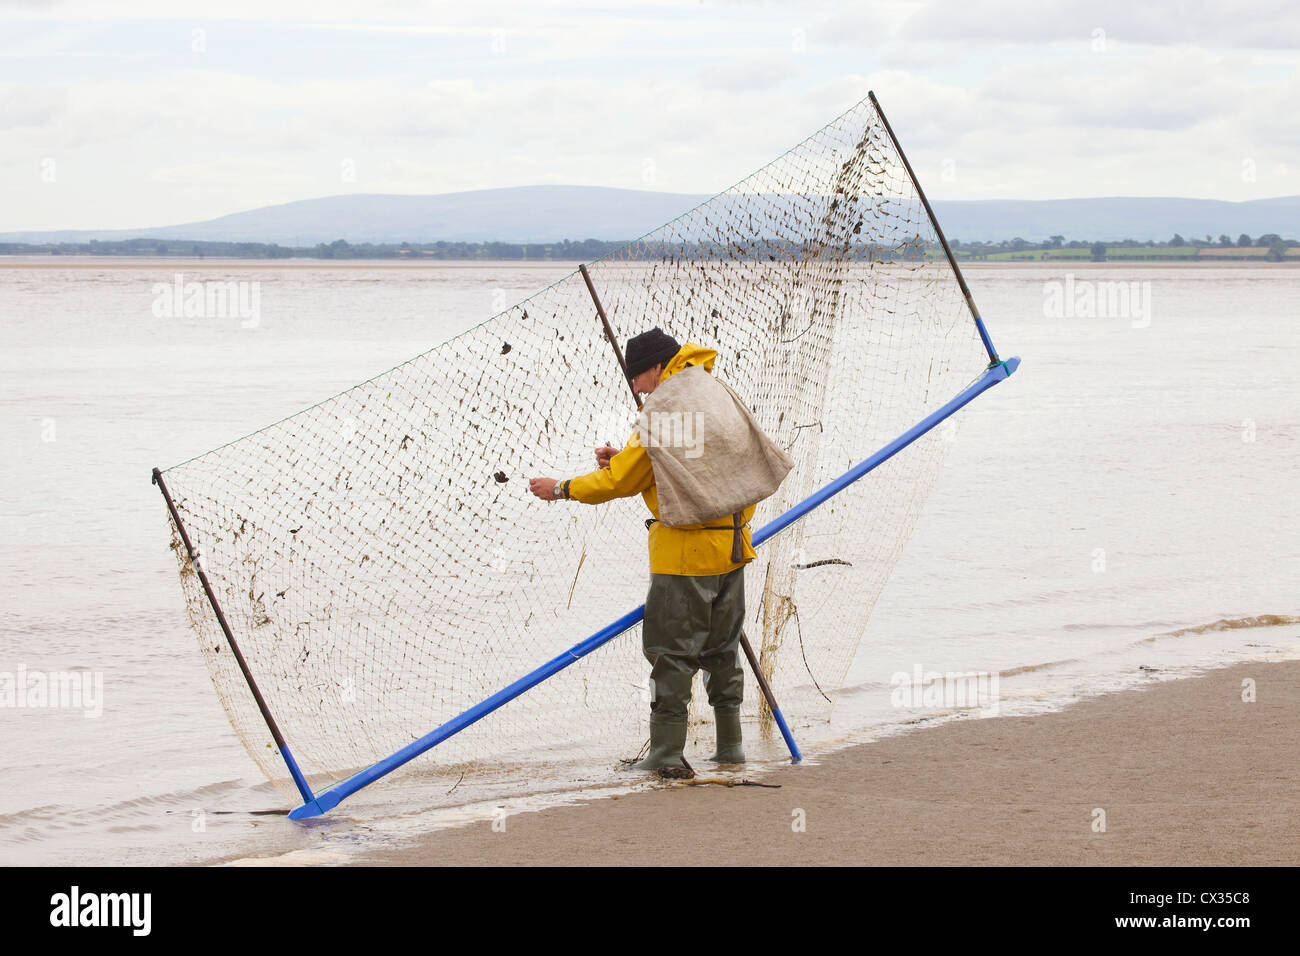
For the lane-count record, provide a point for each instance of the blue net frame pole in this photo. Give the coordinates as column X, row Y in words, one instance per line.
column 328, row 799
column 298, row 779
column 986, row 381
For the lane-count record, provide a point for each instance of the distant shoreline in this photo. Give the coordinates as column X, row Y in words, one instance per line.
column 272, row 265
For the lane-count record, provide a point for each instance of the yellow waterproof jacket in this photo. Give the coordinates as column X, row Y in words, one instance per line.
column 698, row 549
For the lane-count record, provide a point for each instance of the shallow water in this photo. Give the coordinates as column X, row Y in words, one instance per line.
column 1133, row 480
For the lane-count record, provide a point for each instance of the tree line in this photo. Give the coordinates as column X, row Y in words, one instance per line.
column 581, row 250
column 586, row 250
column 1271, row 241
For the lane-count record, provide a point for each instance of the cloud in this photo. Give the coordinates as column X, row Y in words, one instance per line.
column 680, row 96
column 1210, row 23
column 754, row 72
column 33, row 107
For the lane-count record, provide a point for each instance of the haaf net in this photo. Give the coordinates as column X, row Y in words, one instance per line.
column 383, row 567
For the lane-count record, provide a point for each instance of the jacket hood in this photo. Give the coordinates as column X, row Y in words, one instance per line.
column 690, row 354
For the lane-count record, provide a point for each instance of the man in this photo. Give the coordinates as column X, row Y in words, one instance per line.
column 696, row 602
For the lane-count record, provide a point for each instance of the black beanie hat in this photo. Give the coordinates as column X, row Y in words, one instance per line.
column 649, row 349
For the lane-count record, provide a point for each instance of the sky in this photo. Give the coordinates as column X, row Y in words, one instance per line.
column 152, row 112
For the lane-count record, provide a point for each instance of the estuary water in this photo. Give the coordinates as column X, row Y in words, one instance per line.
column 1122, row 510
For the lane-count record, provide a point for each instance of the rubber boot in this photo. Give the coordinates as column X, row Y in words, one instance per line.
column 730, row 750
column 667, row 741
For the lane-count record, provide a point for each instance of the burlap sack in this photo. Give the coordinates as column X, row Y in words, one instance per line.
column 709, row 455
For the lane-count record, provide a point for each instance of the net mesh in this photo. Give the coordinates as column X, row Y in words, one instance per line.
column 383, row 566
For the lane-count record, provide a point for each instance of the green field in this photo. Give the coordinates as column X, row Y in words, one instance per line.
column 1114, row 253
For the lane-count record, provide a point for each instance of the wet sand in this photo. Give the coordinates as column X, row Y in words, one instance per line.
column 1185, row 772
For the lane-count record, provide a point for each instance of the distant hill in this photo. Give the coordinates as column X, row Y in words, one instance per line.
column 543, row 214
column 521, row 214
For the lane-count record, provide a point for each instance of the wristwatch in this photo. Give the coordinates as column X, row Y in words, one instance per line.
column 558, row 490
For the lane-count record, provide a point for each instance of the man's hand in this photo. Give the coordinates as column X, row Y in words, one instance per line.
column 604, row 454
column 543, row 488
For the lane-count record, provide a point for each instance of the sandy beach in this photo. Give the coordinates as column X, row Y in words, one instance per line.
column 1182, row 772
